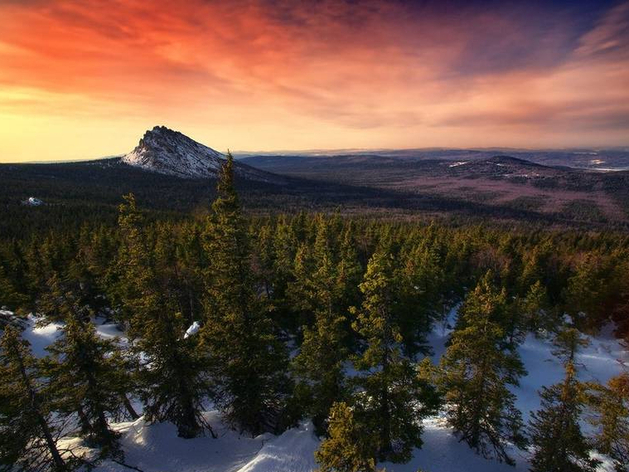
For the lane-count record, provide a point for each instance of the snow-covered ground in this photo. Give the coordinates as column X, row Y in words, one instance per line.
column 156, row 448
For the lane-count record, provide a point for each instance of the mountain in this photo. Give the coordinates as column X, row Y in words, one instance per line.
column 170, row 152
column 165, row 151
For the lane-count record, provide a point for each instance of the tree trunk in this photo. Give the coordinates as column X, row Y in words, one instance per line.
column 50, row 442
column 129, row 407
column 85, row 424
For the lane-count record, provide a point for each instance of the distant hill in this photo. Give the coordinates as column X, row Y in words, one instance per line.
column 170, row 172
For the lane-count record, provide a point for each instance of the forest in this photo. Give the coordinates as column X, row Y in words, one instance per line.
column 277, row 318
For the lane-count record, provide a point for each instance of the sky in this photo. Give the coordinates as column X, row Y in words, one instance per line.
column 85, row 79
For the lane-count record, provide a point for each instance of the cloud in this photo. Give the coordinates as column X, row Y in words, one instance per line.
column 368, row 69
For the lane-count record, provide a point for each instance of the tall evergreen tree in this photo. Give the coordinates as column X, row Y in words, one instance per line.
column 558, row 442
column 173, row 378
column 394, row 398
column 248, row 361
column 420, row 282
column 611, row 406
column 349, row 270
column 300, row 292
column 8, row 292
column 87, row 376
column 319, row 364
column 534, row 309
column 344, row 448
column 27, row 435
column 477, row 369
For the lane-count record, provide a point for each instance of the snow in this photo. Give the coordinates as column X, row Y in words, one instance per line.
column 110, row 331
column 169, row 152
column 40, row 337
column 193, row 329
column 442, row 452
column 294, row 450
column 156, row 447
column 32, row 201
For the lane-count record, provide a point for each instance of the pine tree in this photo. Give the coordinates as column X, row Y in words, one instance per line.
column 394, row 399
column 349, row 271
column 319, row 364
column 173, row 378
column 284, row 246
column 558, row 443
column 27, row 435
column 300, row 292
column 477, row 369
column 8, row 293
column 87, row 376
column 568, row 341
column 611, row 405
column 534, row 308
column 419, row 285
column 344, row 448
column 248, row 361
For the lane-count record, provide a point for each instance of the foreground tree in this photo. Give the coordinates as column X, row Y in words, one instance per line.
column 319, row 365
column 611, row 405
column 27, row 435
column 558, row 442
column 248, row 362
column 393, row 399
column 477, row 370
column 173, row 377
column 87, row 377
column 344, row 448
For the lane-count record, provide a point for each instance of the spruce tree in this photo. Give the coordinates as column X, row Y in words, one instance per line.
column 319, row 364
column 349, row 270
column 419, row 284
column 477, row 370
column 534, row 309
column 344, row 448
column 247, row 360
column 27, row 434
column 611, row 406
column 284, row 247
column 393, row 399
column 558, row 442
column 300, row 292
column 8, row 292
column 87, row 376
column 556, row 437
column 173, row 377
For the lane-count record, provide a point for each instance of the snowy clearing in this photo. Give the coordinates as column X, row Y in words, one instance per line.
column 156, row 448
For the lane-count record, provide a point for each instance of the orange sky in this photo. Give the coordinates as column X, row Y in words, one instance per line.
column 85, row 79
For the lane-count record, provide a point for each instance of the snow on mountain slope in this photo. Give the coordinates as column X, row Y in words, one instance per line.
column 170, row 152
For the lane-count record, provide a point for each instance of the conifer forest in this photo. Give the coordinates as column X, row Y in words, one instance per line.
column 272, row 322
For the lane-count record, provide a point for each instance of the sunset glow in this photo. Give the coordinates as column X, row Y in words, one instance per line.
column 86, row 79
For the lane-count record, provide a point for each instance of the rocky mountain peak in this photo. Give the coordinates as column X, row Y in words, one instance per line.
column 170, row 152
